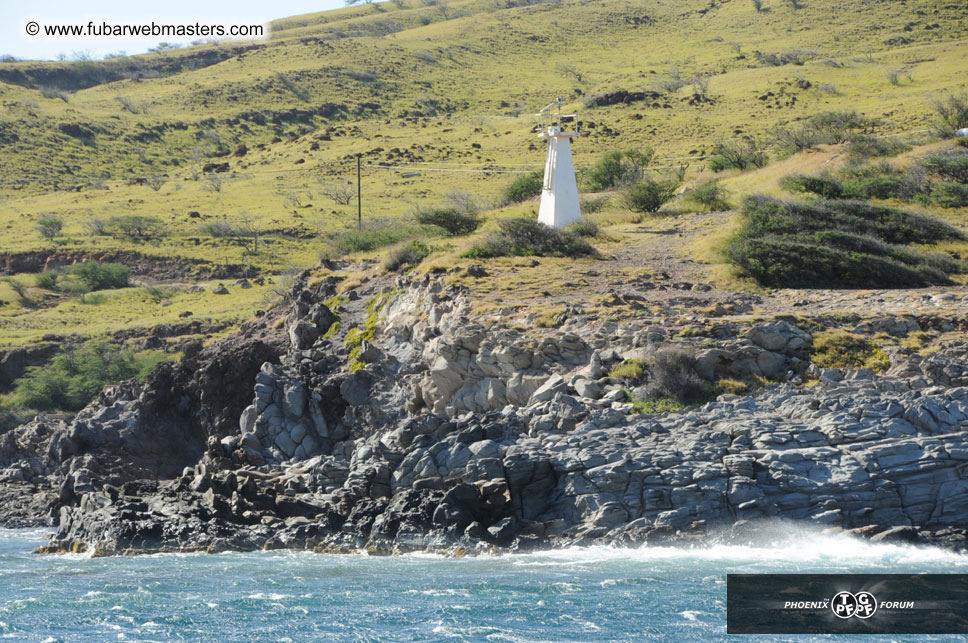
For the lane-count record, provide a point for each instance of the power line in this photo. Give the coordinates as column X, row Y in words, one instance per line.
column 444, row 169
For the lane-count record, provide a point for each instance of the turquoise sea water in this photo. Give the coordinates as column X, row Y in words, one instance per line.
column 582, row 594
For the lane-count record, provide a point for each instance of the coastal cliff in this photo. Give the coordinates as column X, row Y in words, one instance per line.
column 392, row 417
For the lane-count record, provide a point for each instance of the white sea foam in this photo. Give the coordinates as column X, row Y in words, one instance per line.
column 267, row 597
column 808, row 548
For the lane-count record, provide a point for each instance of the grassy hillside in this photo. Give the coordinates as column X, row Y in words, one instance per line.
column 214, row 145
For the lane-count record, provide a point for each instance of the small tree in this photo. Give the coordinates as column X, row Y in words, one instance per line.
column 570, row 71
column 700, row 85
column 738, row 156
column 136, row 227
column 342, row 193
column 196, row 155
column 243, row 234
column 619, row 168
column 126, row 103
column 49, row 226
column 451, row 220
column 156, row 181
column 214, row 183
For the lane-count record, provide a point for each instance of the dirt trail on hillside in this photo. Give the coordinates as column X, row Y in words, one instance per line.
column 651, row 271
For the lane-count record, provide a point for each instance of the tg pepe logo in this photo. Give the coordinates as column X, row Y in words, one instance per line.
column 847, row 605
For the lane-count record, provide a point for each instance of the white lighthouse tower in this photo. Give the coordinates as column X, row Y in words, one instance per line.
column 560, row 206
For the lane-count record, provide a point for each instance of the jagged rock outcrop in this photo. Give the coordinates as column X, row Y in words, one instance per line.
column 450, row 430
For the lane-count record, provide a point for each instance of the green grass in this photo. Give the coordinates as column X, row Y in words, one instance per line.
column 367, row 332
column 277, row 124
column 121, row 309
column 839, row 349
column 630, row 369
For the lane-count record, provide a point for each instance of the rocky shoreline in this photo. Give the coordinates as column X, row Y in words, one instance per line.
column 395, row 419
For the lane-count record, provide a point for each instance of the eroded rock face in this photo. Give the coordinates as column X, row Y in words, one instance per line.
column 457, row 432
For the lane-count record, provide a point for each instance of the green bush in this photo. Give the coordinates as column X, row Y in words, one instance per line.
column 865, row 147
column 649, row 195
column 13, row 417
column 952, row 166
column 951, row 115
column 47, row 279
column 527, row 237
column 952, row 195
column 583, row 228
column 617, row 168
column 406, row 256
column 737, row 156
column 709, row 195
column 136, row 227
column 72, row 379
column 591, row 205
column 838, row 244
column 85, row 277
column 451, row 220
column 526, row 186
column 840, row 126
column 375, row 234
column 823, row 185
column 49, row 226
column 881, row 181
column 101, row 276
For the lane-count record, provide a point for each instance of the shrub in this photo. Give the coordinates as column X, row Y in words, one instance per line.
column 13, row 417
column 451, row 220
column 794, row 56
column 526, row 186
column 837, row 349
column 97, row 226
column 708, row 194
column 583, row 228
column 838, row 244
column 823, row 185
column 375, row 234
column 591, row 205
column 618, row 168
column 49, row 226
column 952, row 166
column 649, row 195
column 73, row 378
column 864, row 147
column 737, row 156
column 796, row 139
column 671, row 375
column 47, row 279
column 951, row 115
column 136, row 227
column 952, row 195
column 406, row 256
column 839, row 126
column 102, row 276
column 53, row 92
column 527, row 237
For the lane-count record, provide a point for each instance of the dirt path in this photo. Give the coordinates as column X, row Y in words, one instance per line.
column 651, row 271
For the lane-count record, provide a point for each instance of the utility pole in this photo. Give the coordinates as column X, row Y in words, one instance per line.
column 359, row 191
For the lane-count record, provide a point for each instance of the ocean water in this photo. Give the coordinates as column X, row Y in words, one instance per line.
column 580, row 594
